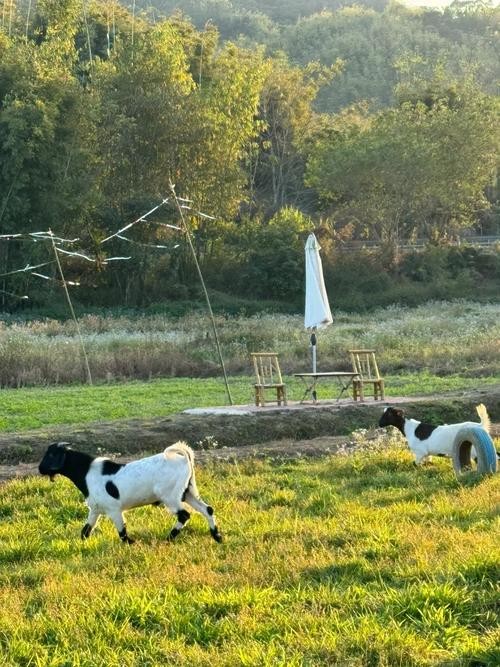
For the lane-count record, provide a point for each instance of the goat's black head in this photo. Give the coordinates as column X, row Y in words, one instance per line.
column 392, row 417
column 53, row 460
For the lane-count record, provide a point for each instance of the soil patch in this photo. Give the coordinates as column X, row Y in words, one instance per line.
column 275, row 450
column 254, row 428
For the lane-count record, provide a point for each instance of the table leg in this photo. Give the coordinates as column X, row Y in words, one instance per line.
column 310, row 389
column 313, row 391
column 307, row 391
column 344, row 386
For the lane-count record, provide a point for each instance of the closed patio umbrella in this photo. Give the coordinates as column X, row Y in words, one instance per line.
column 317, row 308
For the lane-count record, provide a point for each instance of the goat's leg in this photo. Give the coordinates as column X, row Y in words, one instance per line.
column 183, row 517
column 208, row 512
column 419, row 459
column 92, row 519
column 117, row 518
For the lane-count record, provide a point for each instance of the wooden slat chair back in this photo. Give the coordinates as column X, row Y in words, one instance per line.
column 364, row 363
column 268, row 376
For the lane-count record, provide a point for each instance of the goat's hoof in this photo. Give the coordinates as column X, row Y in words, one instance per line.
column 86, row 530
column 214, row 532
column 173, row 534
column 128, row 540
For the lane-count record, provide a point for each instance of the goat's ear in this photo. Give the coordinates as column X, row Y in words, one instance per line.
column 398, row 412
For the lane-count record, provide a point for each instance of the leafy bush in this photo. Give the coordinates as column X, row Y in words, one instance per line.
column 273, row 264
column 360, row 281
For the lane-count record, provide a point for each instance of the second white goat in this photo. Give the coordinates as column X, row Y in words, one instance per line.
column 427, row 439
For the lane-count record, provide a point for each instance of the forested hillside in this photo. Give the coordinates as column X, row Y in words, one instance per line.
column 365, row 123
column 379, row 43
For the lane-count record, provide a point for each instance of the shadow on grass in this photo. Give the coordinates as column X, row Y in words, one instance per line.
column 358, row 476
column 354, row 571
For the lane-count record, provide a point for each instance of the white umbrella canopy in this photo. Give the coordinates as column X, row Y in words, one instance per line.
column 317, row 308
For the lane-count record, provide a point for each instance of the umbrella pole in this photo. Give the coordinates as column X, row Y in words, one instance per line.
column 313, row 345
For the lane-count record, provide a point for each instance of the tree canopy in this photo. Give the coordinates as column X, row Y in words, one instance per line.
column 367, row 122
column 409, row 171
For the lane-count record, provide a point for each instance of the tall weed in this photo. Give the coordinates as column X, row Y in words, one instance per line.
column 438, row 337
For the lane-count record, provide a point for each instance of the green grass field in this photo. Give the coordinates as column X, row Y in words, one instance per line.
column 349, row 560
column 36, row 407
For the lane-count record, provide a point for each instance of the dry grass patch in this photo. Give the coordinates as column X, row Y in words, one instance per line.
column 439, row 337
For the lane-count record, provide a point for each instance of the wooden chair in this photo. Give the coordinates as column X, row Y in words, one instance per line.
column 365, row 364
column 268, row 376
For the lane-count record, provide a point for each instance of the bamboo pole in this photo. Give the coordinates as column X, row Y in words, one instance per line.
column 207, row 298
column 66, row 291
column 28, row 16
column 133, row 31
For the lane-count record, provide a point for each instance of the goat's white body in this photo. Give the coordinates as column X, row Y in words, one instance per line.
column 111, row 488
column 159, row 478
column 166, row 478
column 439, row 442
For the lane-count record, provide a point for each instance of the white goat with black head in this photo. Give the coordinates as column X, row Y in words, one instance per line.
column 426, row 439
column 110, row 488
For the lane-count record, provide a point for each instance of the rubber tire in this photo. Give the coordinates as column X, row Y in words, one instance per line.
column 478, row 438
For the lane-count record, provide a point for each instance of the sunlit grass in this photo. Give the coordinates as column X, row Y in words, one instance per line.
column 358, row 560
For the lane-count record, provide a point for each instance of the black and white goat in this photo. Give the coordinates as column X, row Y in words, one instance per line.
column 426, row 439
column 110, row 488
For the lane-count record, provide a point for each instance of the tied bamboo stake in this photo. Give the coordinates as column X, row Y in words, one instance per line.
column 200, row 275
column 87, row 367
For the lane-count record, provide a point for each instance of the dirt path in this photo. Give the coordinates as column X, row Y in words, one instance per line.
column 297, row 430
column 276, row 450
column 244, row 427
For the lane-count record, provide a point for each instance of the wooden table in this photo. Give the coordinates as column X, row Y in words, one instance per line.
column 344, row 380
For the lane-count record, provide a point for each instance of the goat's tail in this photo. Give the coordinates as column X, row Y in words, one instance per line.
column 183, row 449
column 484, row 417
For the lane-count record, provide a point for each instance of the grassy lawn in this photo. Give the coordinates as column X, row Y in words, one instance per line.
column 355, row 561
column 36, row 407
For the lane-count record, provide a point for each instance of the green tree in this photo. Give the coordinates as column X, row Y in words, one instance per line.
column 418, row 169
column 288, row 125
column 272, row 266
column 373, row 43
column 176, row 108
column 45, row 132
